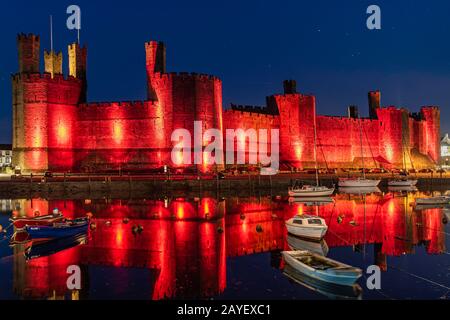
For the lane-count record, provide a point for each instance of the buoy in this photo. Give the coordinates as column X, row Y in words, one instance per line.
column 219, row 230
column 140, row 229
column 108, row 223
column 126, row 220
column 259, row 229
column 134, row 229
column 93, row 226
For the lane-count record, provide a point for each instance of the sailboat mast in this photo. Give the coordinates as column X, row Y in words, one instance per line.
column 362, row 153
column 315, row 149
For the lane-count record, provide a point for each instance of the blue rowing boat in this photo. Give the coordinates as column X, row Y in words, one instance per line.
column 59, row 230
column 53, row 246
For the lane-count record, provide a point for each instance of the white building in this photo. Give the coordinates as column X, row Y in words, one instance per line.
column 445, row 151
column 5, row 155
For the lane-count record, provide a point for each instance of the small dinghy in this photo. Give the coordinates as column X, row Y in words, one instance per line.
column 330, row 290
column 44, row 249
column 59, row 230
column 442, row 200
column 322, row 268
column 307, row 226
column 46, row 220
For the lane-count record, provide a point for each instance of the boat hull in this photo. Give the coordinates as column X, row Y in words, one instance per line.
column 342, row 278
column 364, row 183
column 48, row 232
column 433, row 201
column 314, row 233
column 21, row 223
column 402, row 183
column 311, row 193
column 48, row 248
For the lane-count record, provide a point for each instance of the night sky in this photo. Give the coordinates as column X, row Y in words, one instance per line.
column 252, row 46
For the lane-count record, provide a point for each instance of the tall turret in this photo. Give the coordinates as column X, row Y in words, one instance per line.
column 78, row 66
column 53, row 62
column 155, row 62
column 374, row 103
column 28, row 48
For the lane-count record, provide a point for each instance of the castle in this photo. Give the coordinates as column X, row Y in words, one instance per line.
column 56, row 129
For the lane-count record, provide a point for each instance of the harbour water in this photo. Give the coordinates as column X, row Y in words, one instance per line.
column 210, row 247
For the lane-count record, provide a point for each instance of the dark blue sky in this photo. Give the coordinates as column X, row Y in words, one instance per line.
column 252, row 46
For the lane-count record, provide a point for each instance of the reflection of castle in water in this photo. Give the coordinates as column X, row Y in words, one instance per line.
column 184, row 244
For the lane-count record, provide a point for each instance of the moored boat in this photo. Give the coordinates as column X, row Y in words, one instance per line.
column 46, row 220
column 358, row 182
column 441, row 200
column 310, row 191
column 405, row 182
column 58, row 230
column 306, row 226
column 322, row 268
column 330, row 290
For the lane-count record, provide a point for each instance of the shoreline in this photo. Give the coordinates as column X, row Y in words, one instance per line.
column 145, row 187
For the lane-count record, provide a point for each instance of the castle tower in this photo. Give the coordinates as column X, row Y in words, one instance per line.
column 78, row 66
column 53, row 62
column 155, row 62
column 432, row 117
column 374, row 103
column 28, row 47
column 290, row 86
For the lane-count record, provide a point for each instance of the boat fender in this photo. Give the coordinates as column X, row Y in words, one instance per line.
column 219, row 229
column 108, row 223
column 259, row 229
column 140, row 229
column 126, row 220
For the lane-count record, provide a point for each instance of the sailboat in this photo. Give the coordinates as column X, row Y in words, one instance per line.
column 309, row 190
column 360, row 181
column 403, row 181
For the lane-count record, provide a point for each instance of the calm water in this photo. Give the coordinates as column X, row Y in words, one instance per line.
column 230, row 249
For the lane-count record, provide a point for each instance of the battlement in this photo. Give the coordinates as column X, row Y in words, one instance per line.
column 347, row 119
column 186, row 76
column 430, row 108
column 37, row 77
column 252, row 109
column 241, row 112
column 119, row 104
column 30, row 36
